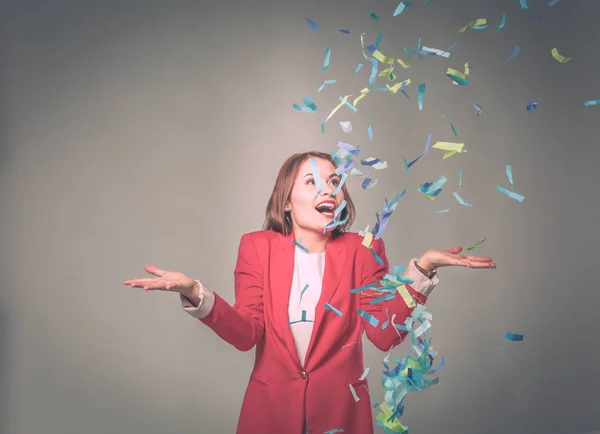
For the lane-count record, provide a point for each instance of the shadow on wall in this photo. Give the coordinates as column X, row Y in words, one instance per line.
column 4, row 368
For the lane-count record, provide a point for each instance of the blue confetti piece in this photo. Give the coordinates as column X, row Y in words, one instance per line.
column 310, row 106
column 536, row 17
column 532, row 106
column 326, row 61
column 316, row 175
column 421, row 94
column 460, row 177
column 524, row 4
column 377, row 258
column 479, row 109
column 345, row 31
column 451, row 125
column 502, row 23
column 592, row 102
column 360, row 65
column 460, row 200
column 400, row 8
column 347, row 104
column 364, row 288
column 372, row 48
column 552, row 2
column 514, row 54
column 333, row 309
column 374, row 69
column 511, row 194
column 375, row 17
column 370, row 132
column 509, row 176
column 334, row 431
column 300, row 246
column 313, row 25
column 514, row 337
column 302, row 293
column 382, row 299
column 370, row 318
column 378, row 40
column 325, row 83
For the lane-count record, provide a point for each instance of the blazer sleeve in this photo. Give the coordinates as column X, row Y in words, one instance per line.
column 374, row 272
column 242, row 325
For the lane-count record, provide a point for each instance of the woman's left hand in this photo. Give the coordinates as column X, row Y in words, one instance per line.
column 436, row 258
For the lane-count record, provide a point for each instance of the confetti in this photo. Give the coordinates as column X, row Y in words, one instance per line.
column 460, row 177
column 477, row 244
column 532, row 106
column 559, row 57
column 356, row 399
column 460, row 200
column 478, row 24
column 374, row 16
column 313, row 26
column 310, row 106
column 432, row 189
column 300, row 245
column 509, row 176
column 552, row 2
column 365, row 373
column 345, row 31
column 370, row 132
column 360, row 65
column 421, row 94
column 316, row 174
column 514, row 337
column 457, row 76
column 333, row 309
column 451, row 125
column 434, row 52
column 303, row 290
column 514, row 54
column 343, row 102
column 325, row 83
column 346, row 126
column 524, row 4
column 401, row 6
column 326, row 61
column 370, row 318
column 502, row 23
column 592, row 102
column 511, row 194
column 479, row 109
column 369, row 183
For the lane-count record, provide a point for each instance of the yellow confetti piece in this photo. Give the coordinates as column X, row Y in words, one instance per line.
column 454, row 72
column 367, row 240
column 383, row 59
column 408, row 64
column 470, row 24
column 363, row 92
column 395, row 88
column 559, row 57
column 406, row 296
column 385, row 414
column 449, row 146
column 388, row 73
column 449, row 154
column 344, row 100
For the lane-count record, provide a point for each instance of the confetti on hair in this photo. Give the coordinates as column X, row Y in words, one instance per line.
column 374, row 16
column 333, row 309
column 592, row 102
column 477, row 244
column 478, row 24
column 326, row 82
column 559, row 57
column 401, row 6
column 514, row 337
column 514, row 54
column 313, row 25
column 460, row 200
column 511, row 194
column 310, row 106
column 532, row 106
column 502, row 23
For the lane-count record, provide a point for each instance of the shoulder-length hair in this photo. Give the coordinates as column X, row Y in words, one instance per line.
column 277, row 219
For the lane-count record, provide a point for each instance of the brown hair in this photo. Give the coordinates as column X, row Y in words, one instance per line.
column 277, row 219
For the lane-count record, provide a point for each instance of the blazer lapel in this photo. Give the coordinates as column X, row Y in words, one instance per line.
column 281, row 275
column 335, row 261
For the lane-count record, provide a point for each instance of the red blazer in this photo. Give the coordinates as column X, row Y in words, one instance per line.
column 281, row 393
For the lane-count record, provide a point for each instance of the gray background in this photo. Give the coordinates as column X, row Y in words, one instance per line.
column 137, row 133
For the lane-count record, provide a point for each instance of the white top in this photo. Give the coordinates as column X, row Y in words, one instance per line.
column 308, row 270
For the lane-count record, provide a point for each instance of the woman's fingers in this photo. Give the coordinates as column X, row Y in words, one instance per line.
column 155, row 270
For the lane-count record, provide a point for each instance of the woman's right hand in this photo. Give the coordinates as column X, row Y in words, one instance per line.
column 167, row 281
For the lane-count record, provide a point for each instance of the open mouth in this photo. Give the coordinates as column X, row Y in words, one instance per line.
column 326, row 209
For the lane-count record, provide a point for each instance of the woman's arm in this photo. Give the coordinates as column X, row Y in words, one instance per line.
column 241, row 325
column 374, row 272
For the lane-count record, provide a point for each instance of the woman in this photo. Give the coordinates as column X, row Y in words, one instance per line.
column 293, row 301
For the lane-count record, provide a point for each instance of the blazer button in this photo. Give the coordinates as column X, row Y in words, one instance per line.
column 303, row 374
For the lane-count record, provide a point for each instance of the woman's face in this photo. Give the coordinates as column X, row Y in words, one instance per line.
column 304, row 199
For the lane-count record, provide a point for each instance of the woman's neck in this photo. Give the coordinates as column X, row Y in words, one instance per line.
column 315, row 243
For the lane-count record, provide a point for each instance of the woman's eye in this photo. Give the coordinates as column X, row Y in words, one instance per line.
column 310, row 181
column 336, row 182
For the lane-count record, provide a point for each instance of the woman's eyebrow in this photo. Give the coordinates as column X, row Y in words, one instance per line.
column 330, row 176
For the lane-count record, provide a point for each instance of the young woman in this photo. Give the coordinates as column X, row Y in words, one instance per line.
column 293, row 302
